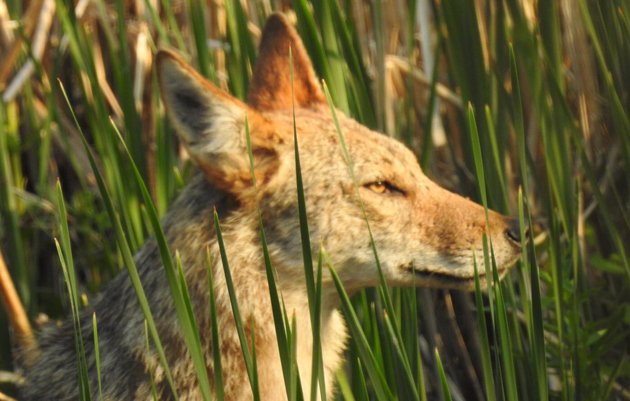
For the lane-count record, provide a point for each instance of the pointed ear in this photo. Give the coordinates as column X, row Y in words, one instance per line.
column 270, row 88
column 211, row 124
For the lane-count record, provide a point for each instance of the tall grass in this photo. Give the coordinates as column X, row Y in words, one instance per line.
column 534, row 98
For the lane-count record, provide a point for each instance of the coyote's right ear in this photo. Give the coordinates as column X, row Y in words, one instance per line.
column 271, row 87
column 211, row 124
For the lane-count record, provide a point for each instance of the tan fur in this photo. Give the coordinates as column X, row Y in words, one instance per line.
column 425, row 235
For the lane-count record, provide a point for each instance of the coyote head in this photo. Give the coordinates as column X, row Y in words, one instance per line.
column 424, row 235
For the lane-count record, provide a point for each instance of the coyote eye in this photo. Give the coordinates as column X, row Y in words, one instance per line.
column 383, row 187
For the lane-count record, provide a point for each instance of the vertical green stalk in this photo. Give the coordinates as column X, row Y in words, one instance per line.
column 9, row 212
column 64, row 250
column 250, row 362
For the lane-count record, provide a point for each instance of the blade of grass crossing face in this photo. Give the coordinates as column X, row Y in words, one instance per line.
column 382, row 288
column 313, row 293
column 123, row 244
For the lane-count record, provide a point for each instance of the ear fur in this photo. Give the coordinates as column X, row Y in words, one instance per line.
column 270, row 88
column 211, row 124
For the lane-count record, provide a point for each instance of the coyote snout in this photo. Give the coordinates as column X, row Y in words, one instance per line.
column 424, row 235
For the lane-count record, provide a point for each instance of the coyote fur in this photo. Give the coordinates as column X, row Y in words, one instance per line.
column 424, row 235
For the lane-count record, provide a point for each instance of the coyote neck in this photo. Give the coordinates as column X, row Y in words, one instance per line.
column 332, row 336
column 251, row 286
column 247, row 270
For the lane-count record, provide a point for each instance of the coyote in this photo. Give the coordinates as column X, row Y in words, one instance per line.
column 424, row 235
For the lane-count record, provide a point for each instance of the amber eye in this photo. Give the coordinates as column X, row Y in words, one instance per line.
column 383, row 187
column 378, row 187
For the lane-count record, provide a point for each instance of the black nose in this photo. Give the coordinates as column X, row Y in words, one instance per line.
column 513, row 232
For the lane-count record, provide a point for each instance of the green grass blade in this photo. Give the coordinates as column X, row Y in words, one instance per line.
column 97, row 356
column 219, row 393
column 10, row 214
column 82, row 367
column 247, row 354
column 486, row 356
column 535, row 325
column 367, row 356
column 123, row 244
column 197, row 17
column 382, row 288
column 281, row 328
column 442, row 375
column 177, row 284
column 64, row 250
column 242, row 54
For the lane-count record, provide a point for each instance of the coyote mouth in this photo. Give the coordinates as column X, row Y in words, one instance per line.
column 445, row 280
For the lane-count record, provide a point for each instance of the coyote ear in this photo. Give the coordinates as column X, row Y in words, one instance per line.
column 271, row 83
column 210, row 123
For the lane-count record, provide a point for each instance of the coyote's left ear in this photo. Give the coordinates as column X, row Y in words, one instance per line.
column 211, row 124
column 271, row 86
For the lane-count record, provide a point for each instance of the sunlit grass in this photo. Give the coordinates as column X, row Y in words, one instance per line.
column 544, row 136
